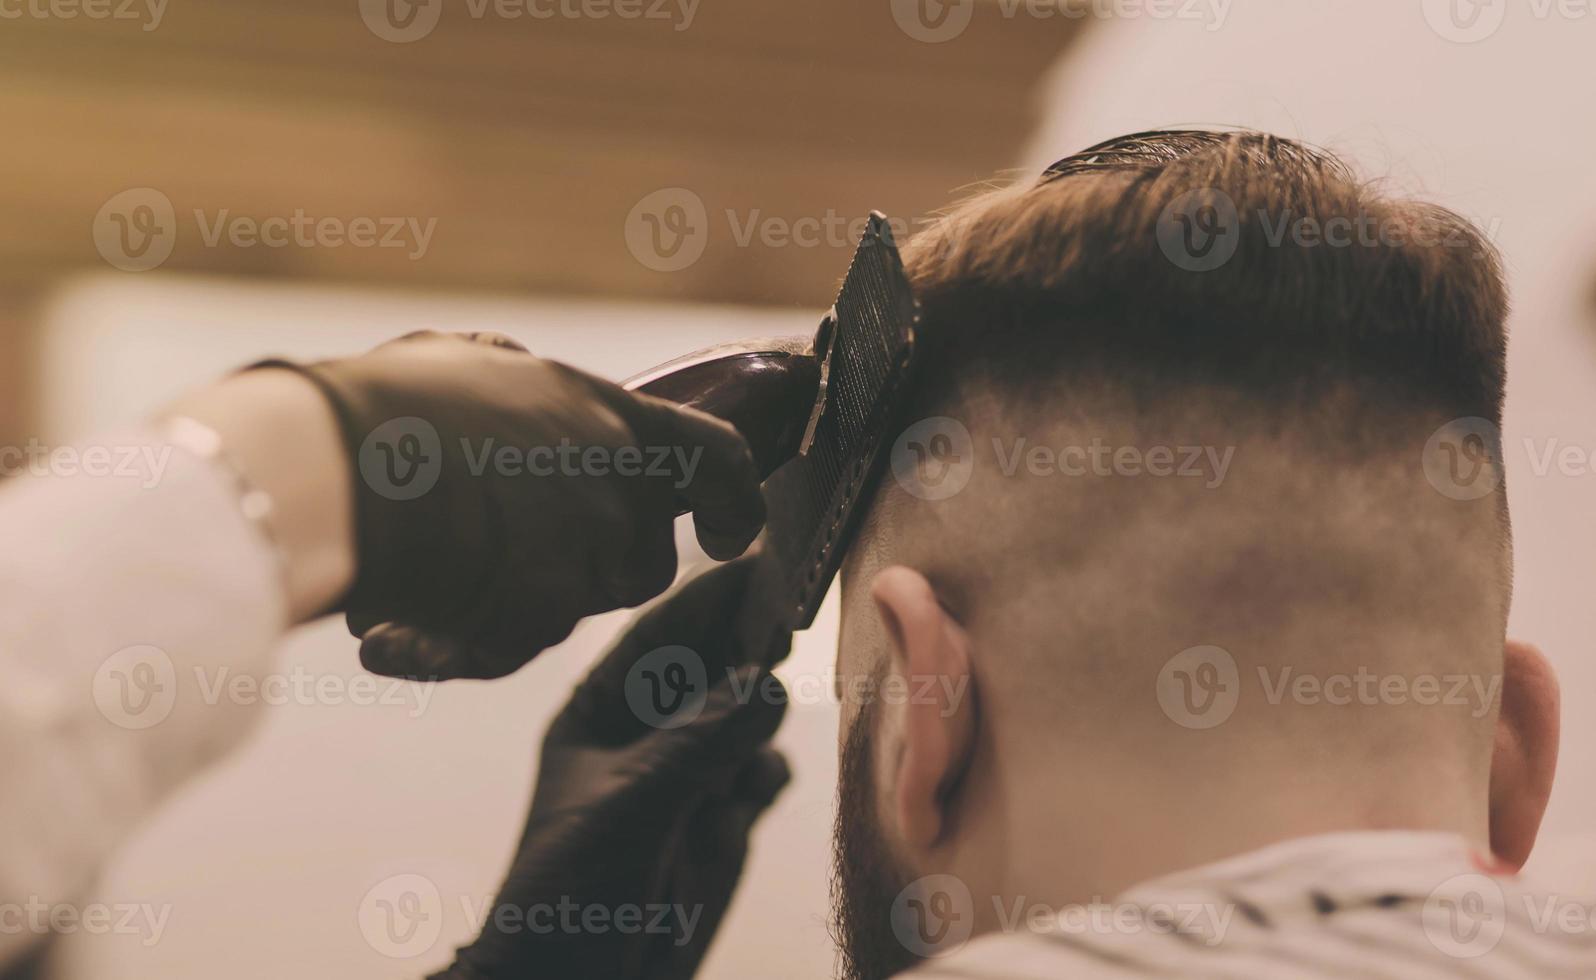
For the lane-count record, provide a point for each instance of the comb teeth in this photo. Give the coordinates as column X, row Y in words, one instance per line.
column 815, row 501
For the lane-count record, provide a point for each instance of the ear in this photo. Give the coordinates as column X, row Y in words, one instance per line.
column 928, row 702
column 1525, row 757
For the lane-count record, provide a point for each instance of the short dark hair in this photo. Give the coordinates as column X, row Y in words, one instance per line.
column 1398, row 300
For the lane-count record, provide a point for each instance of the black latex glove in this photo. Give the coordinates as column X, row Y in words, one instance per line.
column 468, row 567
column 640, row 809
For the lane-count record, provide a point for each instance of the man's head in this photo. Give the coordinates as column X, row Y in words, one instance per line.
column 1197, row 540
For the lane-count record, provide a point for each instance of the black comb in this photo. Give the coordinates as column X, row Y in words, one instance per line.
column 866, row 347
column 817, row 413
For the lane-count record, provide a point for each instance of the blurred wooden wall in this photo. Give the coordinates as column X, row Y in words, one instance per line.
column 567, row 154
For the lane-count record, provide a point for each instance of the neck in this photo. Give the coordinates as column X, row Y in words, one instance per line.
column 1071, row 821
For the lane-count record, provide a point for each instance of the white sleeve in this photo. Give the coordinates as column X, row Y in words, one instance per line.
column 132, row 591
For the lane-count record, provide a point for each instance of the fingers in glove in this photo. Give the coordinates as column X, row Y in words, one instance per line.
column 410, row 337
column 672, row 653
column 761, row 780
column 714, row 471
column 649, row 565
column 413, row 653
column 494, row 338
column 397, row 650
column 362, row 622
column 737, row 719
column 715, row 844
column 711, row 467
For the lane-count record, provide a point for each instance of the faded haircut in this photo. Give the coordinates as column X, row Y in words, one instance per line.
column 1397, row 302
column 1329, row 332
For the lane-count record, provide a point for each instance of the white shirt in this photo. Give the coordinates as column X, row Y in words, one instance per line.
column 130, row 581
column 1382, row 904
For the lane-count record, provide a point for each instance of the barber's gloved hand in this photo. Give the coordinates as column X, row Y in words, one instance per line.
column 500, row 498
column 646, row 792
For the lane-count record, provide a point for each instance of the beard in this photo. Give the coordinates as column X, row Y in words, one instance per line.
column 865, row 877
